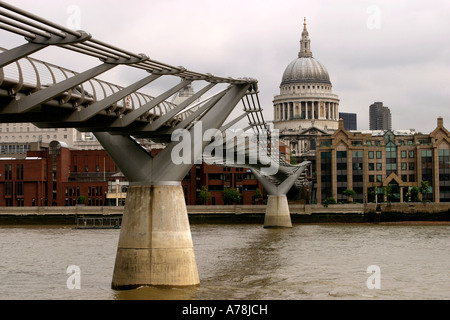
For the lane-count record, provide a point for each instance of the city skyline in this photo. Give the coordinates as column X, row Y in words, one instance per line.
column 374, row 51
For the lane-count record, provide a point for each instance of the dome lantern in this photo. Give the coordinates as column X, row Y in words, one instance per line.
column 305, row 43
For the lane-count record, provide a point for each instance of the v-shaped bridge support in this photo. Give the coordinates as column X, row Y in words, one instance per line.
column 155, row 245
column 277, row 209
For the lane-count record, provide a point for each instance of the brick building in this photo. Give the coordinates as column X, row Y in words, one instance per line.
column 55, row 175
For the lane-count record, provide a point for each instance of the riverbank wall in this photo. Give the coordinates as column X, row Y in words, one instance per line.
column 300, row 213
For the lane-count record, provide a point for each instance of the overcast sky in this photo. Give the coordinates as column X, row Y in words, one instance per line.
column 397, row 52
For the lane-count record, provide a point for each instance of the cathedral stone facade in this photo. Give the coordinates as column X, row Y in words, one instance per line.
column 306, row 106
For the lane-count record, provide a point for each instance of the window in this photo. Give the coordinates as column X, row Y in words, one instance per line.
column 378, row 154
column 371, row 154
column 403, row 154
column 427, row 153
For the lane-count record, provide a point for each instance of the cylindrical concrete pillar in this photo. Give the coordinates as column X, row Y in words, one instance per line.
column 155, row 244
column 277, row 212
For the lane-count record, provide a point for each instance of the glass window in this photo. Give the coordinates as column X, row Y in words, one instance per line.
column 426, row 153
column 357, row 154
column 371, row 155
column 341, row 154
column 378, row 154
column 325, row 155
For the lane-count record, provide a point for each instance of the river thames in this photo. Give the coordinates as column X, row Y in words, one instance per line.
column 240, row 262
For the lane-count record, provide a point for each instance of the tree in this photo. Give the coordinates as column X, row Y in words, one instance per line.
column 388, row 192
column 424, row 188
column 258, row 194
column 349, row 193
column 328, row 201
column 414, row 193
column 231, row 195
column 81, row 199
column 204, row 195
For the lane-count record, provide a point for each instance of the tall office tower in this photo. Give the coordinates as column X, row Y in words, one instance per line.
column 350, row 120
column 379, row 117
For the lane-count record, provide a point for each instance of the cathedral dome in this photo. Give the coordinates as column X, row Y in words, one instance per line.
column 305, row 70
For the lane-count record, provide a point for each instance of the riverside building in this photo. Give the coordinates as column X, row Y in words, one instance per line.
column 383, row 165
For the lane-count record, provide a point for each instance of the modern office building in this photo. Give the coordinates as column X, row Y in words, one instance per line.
column 350, row 120
column 384, row 165
column 379, row 117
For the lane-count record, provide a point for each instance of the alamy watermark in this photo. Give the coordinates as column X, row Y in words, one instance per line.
column 231, row 147
column 74, row 19
column 374, row 280
column 374, row 20
column 74, row 280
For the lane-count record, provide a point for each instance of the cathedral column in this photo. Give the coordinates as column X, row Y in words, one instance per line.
column 316, row 109
column 309, row 110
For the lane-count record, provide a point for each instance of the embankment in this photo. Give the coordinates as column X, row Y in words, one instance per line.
column 300, row 213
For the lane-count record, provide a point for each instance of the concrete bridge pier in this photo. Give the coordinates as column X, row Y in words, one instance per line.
column 277, row 212
column 277, row 209
column 155, row 244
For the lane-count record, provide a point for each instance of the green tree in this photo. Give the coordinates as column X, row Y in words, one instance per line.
column 231, row 195
column 328, row 201
column 350, row 193
column 292, row 158
column 388, row 192
column 424, row 188
column 414, row 193
column 258, row 194
column 81, row 199
column 204, row 195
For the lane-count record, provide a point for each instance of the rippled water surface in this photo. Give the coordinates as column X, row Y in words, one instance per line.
column 240, row 261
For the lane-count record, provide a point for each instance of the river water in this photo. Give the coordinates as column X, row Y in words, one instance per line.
column 240, row 261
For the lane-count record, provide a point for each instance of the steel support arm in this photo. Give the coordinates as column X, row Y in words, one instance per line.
column 19, row 52
column 168, row 115
column 214, row 118
column 208, row 105
column 28, row 102
column 135, row 114
column 134, row 161
column 99, row 106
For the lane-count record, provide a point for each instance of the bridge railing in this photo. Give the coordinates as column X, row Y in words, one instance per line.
column 19, row 73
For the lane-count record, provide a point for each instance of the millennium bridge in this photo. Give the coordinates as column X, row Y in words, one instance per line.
column 155, row 244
